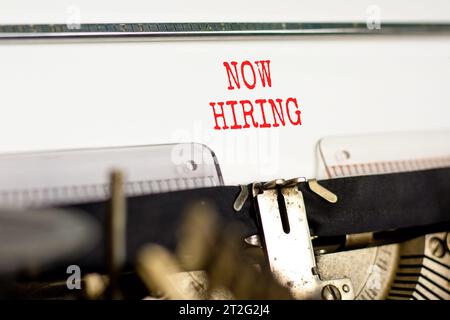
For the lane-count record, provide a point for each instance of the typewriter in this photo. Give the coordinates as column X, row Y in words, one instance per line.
column 166, row 155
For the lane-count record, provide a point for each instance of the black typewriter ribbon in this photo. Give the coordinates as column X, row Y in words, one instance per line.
column 366, row 204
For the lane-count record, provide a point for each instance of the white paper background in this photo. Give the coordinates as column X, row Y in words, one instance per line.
column 59, row 96
column 55, row 11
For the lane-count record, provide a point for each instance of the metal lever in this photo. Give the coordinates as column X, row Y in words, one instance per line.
column 291, row 255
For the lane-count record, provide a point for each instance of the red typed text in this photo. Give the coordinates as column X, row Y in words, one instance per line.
column 256, row 113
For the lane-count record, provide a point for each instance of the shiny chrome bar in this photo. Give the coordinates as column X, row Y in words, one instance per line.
column 188, row 31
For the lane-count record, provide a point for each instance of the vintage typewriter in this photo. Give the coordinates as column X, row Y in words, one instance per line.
column 226, row 160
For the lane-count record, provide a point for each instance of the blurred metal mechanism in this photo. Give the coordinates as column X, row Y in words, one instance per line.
column 116, row 242
column 424, row 270
column 209, row 264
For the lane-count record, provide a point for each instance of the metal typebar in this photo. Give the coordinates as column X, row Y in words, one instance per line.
column 165, row 31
